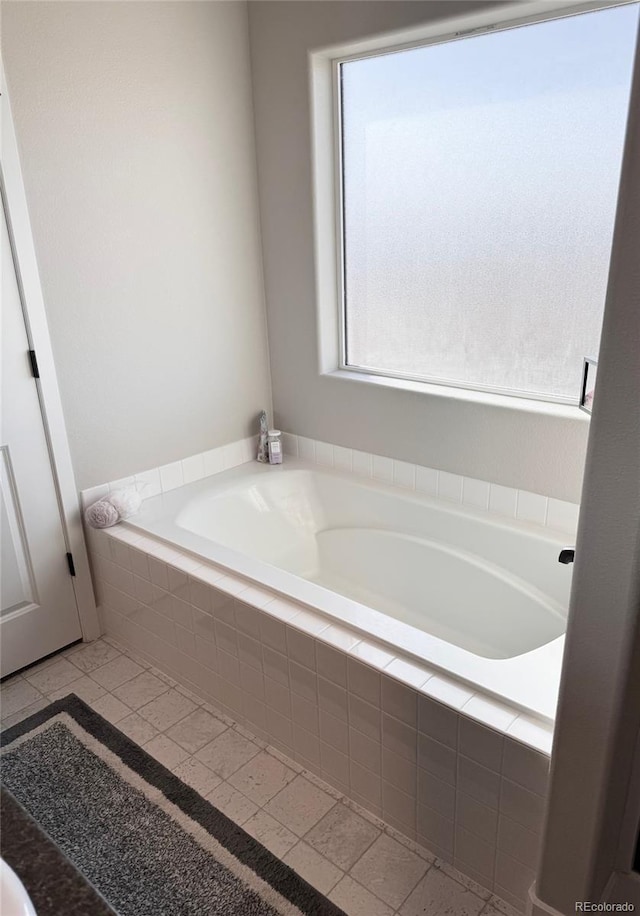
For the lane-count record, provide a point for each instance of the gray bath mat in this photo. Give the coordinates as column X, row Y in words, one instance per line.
column 147, row 843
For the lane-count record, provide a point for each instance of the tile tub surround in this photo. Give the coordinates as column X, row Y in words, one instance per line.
column 478, row 494
column 170, row 476
column 455, row 771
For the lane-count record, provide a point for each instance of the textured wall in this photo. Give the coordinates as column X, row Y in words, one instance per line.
column 135, row 128
column 532, row 450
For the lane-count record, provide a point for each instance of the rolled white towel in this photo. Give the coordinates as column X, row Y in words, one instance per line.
column 102, row 514
column 126, row 501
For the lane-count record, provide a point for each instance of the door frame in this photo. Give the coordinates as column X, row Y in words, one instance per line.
column 593, row 805
column 14, row 198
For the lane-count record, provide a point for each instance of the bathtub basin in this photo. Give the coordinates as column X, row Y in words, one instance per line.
column 480, row 597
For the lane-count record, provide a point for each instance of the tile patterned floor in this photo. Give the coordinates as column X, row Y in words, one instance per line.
column 364, row 866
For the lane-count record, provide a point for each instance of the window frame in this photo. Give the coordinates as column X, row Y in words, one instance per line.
column 328, row 193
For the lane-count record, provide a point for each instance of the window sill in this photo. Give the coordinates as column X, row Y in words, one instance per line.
column 529, row 405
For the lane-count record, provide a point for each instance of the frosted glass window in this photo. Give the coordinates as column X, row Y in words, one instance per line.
column 479, row 192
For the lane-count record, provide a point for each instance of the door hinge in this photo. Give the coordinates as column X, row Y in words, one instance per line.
column 34, row 364
column 72, row 569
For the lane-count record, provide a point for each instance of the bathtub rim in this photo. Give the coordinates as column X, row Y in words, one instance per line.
column 540, row 666
column 226, row 481
column 529, row 688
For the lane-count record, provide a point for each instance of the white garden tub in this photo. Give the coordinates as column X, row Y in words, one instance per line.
column 478, row 596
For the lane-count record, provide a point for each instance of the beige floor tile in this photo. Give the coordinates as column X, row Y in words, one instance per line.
column 438, row 894
column 110, row 708
column 300, row 805
column 419, row 850
column 166, row 751
column 166, row 710
column 463, row 879
column 25, row 713
column 197, row 775
column 84, row 687
column 271, row 833
column 41, row 665
column 314, row 868
column 196, row 730
column 322, row 784
column 247, row 733
column 497, row 903
column 190, row 695
column 120, row 648
column 163, row 677
column 334, row 836
column 262, row 778
column 227, row 753
column 137, row 728
column 112, row 642
column 58, row 674
column 234, row 804
column 116, row 672
column 389, row 870
column 140, row 690
column 92, row 655
column 342, row 836
column 218, row 714
column 17, row 694
column 355, row 900
column 284, row 758
column 138, row 659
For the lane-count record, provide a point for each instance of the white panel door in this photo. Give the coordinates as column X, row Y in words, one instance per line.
column 38, row 613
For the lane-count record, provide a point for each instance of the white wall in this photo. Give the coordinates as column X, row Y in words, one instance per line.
column 504, row 444
column 598, row 718
column 135, row 128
